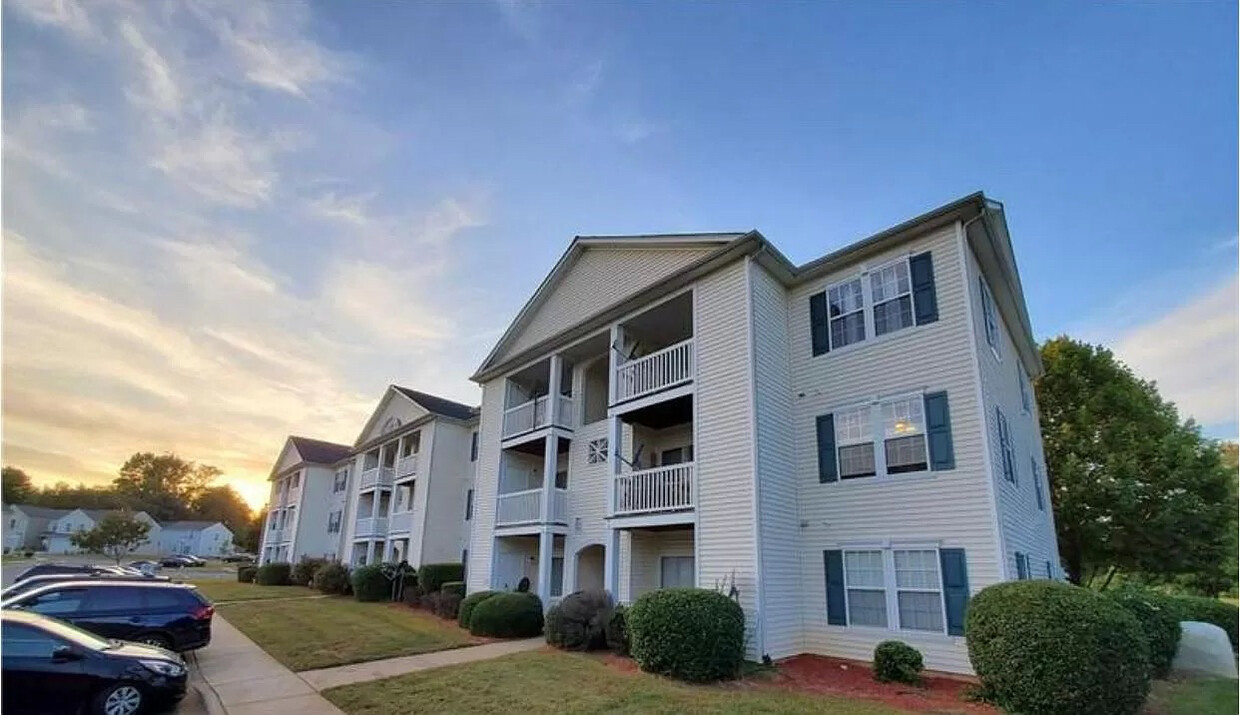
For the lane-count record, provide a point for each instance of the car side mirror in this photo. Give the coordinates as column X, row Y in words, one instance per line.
column 64, row 653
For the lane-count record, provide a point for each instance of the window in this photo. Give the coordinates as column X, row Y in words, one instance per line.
column 676, row 572
column 910, row 589
column 919, row 595
column 989, row 315
column 904, row 435
column 891, row 294
column 341, row 481
column 1037, row 484
column 469, row 505
column 163, row 599
column 847, row 313
column 557, row 576
column 413, row 443
column 902, row 422
column 1005, row 447
column 1025, row 402
column 866, row 589
column 597, row 451
column 333, row 522
column 22, row 641
column 854, row 440
column 677, row 455
column 1049, row 573
column 473, row 446
column 112, row 599
column 55, row 603
column 295, row 481
column 1022, row 566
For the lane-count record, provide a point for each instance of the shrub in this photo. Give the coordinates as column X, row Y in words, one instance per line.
column 432, row 577
column 409, row 592
column 333, row 578
column 457, row 587
column 508, row 615
column 1160, row 624
column 448, row 604
column 245, row 574
column 581, row 623
column 273, row 574
column 692, row 634
column 1043, row 647
column 897, row 662
column 553, row 629
column 1208, row 610
column 467, row 606
column 369, row 583
column 618, row 631
column 303, row 572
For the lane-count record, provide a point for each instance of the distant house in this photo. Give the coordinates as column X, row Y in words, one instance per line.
column 200, row 538
column 57, row 536
column 24, row 525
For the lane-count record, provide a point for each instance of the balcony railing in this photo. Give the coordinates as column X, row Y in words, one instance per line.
column 565, row 416
column 525, row 507
column 667, row 488
column 671, row 366
column 275, row 536
column 526, row 417
column 293, row 496
column 407, row 465
column 401, row 521
column 377, row 476
column 371, row 526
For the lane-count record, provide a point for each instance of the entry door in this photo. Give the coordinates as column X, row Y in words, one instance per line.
column 677, row 572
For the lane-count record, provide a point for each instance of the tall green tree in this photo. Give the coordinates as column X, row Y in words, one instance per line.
column 116, row 535
column 251, row 537
column 63, row 495
column 16, row 487
column 163, row 485
column 1135, row 489
column 223, row 504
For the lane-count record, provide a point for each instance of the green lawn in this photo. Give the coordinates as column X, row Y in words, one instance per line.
column 223, row 590
column 549, row 681
column 313, row 633
column 1215, row 696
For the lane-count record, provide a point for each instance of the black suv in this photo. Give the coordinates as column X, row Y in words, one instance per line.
column 29, row 584
column 53, row 667
column 168, row 615
column 47, row 569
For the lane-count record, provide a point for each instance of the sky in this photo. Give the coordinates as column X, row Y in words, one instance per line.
column 227, row 223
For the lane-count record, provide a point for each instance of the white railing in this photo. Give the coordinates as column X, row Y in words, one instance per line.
column 565, row 416
column 370, row 526
column 275, row 536
column 519, row 507
column 660, row 489
column 670, row 366
column 293, row 495
column 407, row 465
column 377, row 476
column 526, row 416
column 401, row 521
column 559, row 506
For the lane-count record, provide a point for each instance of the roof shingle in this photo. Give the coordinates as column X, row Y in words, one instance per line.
column 439, row 405
column 317, row 451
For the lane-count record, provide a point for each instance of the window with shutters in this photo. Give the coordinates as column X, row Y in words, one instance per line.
column 990, row 316
column 877, row 302
column 846, row 304
column 1026, row 401
column 919, row 590
column 1037, row 483
column 1022, row 566
column 865, row 584
column 891, row 293
column 854, row 442
column 904, row 435
column 1006, row 453
column 899, row 589
column 901, row 447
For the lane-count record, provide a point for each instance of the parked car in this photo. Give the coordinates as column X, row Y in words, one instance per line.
column 54, row 667
column 181, row 561
column 79, row 569
column 38, row 581
column 161, row 613
column 239, row 557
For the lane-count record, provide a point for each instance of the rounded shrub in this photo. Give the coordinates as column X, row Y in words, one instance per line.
column 245, row 574
column 333, row 578
column 369, row 583
column 508, row 615
column 304, row 570
column 897, row 662
column 618, row 630
column 273, row 574
column 1208, row 610
column 581, row 623
column 456, row 587
column 553, row 629
column 448, row 604
column 467, row 606
column 1043, row 648
column 1160, row 623
column 691, row 634
column 432, row 577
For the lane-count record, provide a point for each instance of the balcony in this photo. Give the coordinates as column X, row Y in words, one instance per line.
column 525, row 507
column 377, row 477
column 649, row 491
column 526, row 417
column 407, row 466
column 371, row 526
column 293, row 496
column 401, row 521
column 673, row 365
column 275, row 536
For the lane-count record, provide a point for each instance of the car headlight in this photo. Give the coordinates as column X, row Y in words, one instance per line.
column 163, row 667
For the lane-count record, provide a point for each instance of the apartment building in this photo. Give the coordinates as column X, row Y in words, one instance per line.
column 401, row 492
column 848, row 447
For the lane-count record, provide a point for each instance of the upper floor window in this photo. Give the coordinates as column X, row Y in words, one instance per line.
column 1026, row 401
column 1037, row 483
column 893, row 296
column 473, row 446
column 295, row 480
column 341, row 481
column 413, row 444
column 469, row 505
column 1006, row 453
column 911, row 433
column 990, row 316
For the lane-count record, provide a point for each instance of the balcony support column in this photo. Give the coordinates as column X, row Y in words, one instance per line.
column 551, row 456
column 553, row 389
column 546, row 548
column 611, row 564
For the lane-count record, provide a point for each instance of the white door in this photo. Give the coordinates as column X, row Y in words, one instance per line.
column 677, row 572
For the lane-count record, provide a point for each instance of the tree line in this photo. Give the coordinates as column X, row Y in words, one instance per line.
column 165, row 486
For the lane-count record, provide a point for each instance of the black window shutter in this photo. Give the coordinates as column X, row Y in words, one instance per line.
column 955, row 588
column 1049, row 574
column 939, row 432
column 833, row 562
column 1022, row 572
column 925, row 302
column 826, row 449
column 818, row 323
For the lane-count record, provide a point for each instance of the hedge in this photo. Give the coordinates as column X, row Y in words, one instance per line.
column 455, row 587
column 369, row 583
column 333, row 579
column 303, row 572
column 1208, row 610
column 618, row 630
column 691, row 634
column 1160, row 624
column 245, row 574
column 467, row 606
column 273, row 574
column 580, row 621
column 897, row 662
column 1044, row 647
column 432, row 577
column 508, row 615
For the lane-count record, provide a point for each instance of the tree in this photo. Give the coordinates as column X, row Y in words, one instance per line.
column 223, row 504
column 116, row 535
column 1135, row 490
column 16, row 487
column 163, row 485
column 251, row 537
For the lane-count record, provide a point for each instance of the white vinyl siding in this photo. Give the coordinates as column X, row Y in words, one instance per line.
column 482, row 539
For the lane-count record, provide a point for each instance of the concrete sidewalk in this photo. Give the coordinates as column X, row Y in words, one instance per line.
column 325, row 678
column 244, row 680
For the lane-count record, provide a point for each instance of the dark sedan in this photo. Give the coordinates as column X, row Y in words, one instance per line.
column 53, row 667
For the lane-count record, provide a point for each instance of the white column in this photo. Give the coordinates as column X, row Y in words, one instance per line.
column 370, row 551
column 551, row 449
column 553, row 389
column 613, row 361
column 614, row 436
column 611, row 564
column 546, row 546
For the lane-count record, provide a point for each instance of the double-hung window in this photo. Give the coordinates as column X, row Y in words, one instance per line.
column 904, row 435
column 1026, row 402
column 1036, row 472
column 919, row 590
column 854, row 441
column 895, row 588
column 865, row 580
column 891, row 294
column 874, row 302
column 902, row 425
column 1005, row 447
column 990, row 316
column 846, row 304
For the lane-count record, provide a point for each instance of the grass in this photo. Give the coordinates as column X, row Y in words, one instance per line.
column 1210, row 696
column 304, row 634
column 222, row 591
column 549, row 681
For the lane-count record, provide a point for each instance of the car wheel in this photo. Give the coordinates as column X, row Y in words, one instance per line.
column 120, row 699
column 156, row 640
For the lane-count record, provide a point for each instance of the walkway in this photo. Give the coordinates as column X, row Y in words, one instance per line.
column 325, row 678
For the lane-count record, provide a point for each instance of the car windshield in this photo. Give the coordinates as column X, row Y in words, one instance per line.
column 76, row 635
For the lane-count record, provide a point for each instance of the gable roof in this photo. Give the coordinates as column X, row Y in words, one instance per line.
column 318, row 451
column 40, row 512
column 190, row 525
column 439, row 405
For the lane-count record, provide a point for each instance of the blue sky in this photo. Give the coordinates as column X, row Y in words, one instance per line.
column 252, row 217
